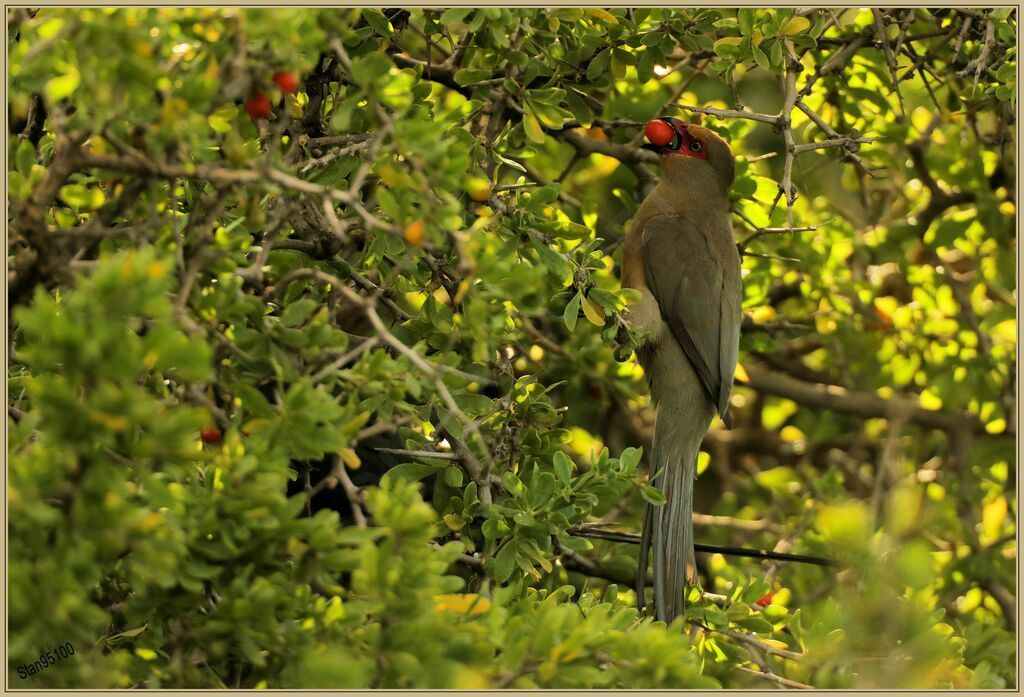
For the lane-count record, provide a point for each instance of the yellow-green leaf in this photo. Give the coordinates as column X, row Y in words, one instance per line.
column 594, row 313
column 350, row 458
column 532, row 126
column 220, row 120
column 454, row 522
column 463, row 603
column 796, row 25
column 618, row 68
column 601, row 14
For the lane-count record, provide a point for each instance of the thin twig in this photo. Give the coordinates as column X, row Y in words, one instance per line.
column 429, row 454
column 733, row 114
column 345, row 359
column 631, row 538
column 890, row 59
column 762, row 232
column 351, row 491
column 778, row 679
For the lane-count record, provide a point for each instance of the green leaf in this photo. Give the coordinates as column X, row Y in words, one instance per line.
column 760, row 58
column 510, row 163
column 532, row 126
column 629, row 459
column 795, row 26
column 546, row 107
column 512, row 484
column 572, row 311
column 370, row 68
column 505, row 561
column 541, row 489
column 757, row 624
column 755, row 591
column 410, row 471
column 563, row 468
column 222, row 119
column 599, row 65
column 715, row 617
column 75, row 195
column 19, row 187
column 467, row 76
column 618, row 67
column 745, row 20
column 745, row 187
column 728, row 47
column 604, row 298
column 623, row 56
column 581, row 111
column 775, row 55
column 453, row 477
column 25, row 157
column 630, row 296
column 298, row 312
column 454, row 15
column 543, row 196
column 376, row 19
column 652, row 495
column 576, row 544
column 645, row 66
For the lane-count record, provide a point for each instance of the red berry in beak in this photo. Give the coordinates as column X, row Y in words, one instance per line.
column 765, row 601
column 659, row 133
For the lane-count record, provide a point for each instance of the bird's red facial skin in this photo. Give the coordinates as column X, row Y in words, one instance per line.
column 693, row 141
column 691, row 146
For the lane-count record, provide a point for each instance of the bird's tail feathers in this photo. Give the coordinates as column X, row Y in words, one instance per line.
column 668, row 528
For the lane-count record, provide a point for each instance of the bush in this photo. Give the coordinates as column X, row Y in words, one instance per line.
column 211, row 303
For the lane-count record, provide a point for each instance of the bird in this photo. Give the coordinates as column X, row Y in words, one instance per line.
column 680, row 254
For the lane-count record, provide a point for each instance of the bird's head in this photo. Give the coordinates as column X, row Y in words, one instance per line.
column 689, row 151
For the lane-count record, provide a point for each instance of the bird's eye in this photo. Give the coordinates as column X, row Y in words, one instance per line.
column 696, row 146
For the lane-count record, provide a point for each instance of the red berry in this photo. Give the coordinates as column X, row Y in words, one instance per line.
column 210, row 434
column 659, row 133
column 766, row 600
column 286, row 81
column 258, row 106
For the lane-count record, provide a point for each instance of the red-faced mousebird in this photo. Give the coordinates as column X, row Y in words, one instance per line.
column 680, row 254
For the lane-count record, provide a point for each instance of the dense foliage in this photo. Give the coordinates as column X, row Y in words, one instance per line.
column 245, row 241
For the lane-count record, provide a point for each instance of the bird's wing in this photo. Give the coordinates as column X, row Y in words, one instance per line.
column 698, row 292
column 729, row 331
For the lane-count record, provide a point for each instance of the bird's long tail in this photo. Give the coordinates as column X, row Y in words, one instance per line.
column 683, row 419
